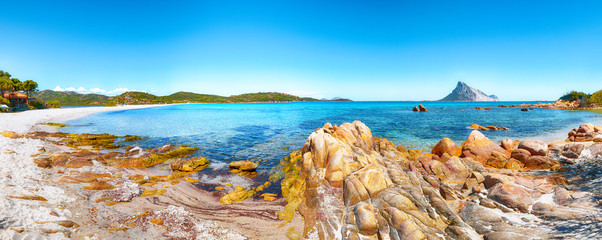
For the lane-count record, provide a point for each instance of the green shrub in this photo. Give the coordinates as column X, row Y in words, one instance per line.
column 573, row 96
column 36, row 104
column 596, row 98
column 53, row 104
column 4, row 101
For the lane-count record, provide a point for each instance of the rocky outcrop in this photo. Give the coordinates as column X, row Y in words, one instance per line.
column 479, row 147
column 481, row 128
column 245, row 165
column 465, row 93
column 535, row 147
column 419, row 108
column 585, row 133
column 348, row 184
column 448, row 146
column 189, row 165
column 358, row 186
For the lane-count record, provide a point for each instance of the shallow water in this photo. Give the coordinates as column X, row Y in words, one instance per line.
column 266, row 132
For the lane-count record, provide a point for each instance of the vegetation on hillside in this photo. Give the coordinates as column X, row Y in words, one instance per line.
column 70, row 98
column 76, row 99
column 584, row 99
column 269, row 97
column 194, row 97
column 573, row 96
column 596, row 98
column 134, row 98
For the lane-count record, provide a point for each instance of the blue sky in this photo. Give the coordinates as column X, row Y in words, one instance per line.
column 398, row 50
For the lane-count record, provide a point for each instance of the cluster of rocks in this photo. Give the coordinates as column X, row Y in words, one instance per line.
column 560, row 104
column 492, row 128
column 585, row 133
column 349, row 184
column 419, row 108
column 480, row 108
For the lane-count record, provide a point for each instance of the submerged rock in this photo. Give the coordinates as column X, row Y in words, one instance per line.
column 245, row 165
column 189, row 165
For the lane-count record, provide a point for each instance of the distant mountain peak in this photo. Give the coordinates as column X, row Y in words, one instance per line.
column 465, row 93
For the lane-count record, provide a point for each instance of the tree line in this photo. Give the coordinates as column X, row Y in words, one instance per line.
column 8, row 83
column 584, row 99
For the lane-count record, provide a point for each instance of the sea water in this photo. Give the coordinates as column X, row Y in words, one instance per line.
column 267, row 132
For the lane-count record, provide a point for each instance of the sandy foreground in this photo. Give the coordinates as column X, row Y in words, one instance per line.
column 70, row 212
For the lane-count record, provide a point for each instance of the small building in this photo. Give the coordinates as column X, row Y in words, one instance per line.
column 16, row 97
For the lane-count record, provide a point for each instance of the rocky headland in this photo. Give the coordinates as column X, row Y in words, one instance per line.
column 348, row 184
column 559, row 104
column 465, row 93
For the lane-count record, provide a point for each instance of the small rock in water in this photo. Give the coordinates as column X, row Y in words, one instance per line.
column 245, row 165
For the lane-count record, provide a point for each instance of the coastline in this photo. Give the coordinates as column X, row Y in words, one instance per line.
column 69, row 202
column 26, row 121
column 37, row 203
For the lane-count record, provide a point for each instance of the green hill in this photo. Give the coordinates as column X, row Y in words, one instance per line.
column 134, row 98
column 76, row 99
column 269, row 97
column 194, row 97
column 70, row 98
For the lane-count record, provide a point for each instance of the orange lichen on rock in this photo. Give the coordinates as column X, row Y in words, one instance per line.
column 11, row 134
column 30, row 197
column 148, row 192
column 448, row 146
column 157, row 158
column 190, row 180
column 245, row 165
column 237, row 195
column 157, row 221
column 269, row 196
column 84, row 177
column 102, row 199
column 43, row 162
column 189, row 165
column 99, row 185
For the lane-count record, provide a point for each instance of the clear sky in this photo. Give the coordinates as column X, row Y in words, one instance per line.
column 363, row 50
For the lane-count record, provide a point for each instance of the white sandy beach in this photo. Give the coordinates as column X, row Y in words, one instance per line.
column 26, row 121
column 68, row 203
column 19, row 176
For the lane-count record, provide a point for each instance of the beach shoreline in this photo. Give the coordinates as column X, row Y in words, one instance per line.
column 65, row 203
column 27, row 121
column 69, row 202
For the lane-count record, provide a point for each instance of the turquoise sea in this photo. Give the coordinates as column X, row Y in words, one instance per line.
column 267, row 132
